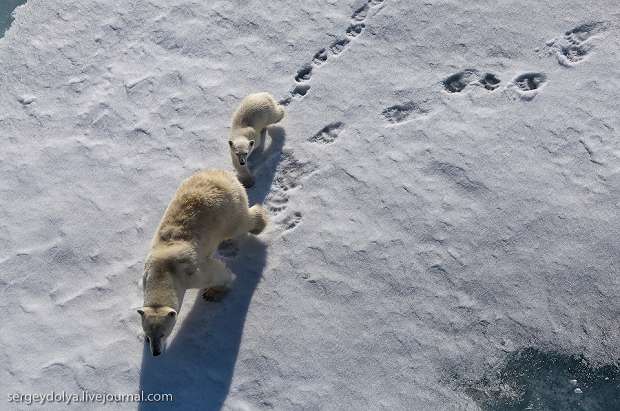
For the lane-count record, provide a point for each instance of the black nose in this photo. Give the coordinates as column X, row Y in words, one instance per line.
column 156, row 353
column 242, row 162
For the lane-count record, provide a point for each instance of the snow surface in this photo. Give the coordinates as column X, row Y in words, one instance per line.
column 427, row 222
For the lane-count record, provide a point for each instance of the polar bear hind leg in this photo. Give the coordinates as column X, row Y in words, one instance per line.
column 214, row 294
column 260, row 144
column 279, row 113
column 219, row 282
column 215, row 274
column 258, row 219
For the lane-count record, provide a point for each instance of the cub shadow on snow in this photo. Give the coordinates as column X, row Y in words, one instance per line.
column 531, row 379
column 199, row 362
column 264, row 165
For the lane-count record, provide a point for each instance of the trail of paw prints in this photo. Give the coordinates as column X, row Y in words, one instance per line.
column 289, row 176
column 304, row 74
column 526, row 85
column 459, row 81
column 328, row 134
column 576, row 44
column 571, row 49
column 455, row 83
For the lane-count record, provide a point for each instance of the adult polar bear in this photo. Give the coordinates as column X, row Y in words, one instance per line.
column 208, row 208
column 249, row 123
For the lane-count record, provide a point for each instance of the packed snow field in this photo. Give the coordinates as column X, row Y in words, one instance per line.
column 444, row 194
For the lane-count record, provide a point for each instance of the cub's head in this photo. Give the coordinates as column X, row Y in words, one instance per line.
column 157, row 323
column 242, row 144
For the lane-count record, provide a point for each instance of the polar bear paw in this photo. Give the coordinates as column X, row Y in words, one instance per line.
column 214, row 294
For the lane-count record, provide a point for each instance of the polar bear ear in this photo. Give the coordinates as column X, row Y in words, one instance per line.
column 172, row 314
column 230, row 143
column 251, row 143
column 140, row 311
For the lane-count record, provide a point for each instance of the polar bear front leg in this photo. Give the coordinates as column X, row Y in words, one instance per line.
column 220, row 279
column 243, row 172
column 260, row 141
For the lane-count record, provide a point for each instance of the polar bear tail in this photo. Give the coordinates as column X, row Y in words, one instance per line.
column 258, row 219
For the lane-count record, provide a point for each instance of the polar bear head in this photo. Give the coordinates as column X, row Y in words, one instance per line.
column 242, row 143
column 157, row 323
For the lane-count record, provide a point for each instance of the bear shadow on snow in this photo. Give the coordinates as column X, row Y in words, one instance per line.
column 199, row 362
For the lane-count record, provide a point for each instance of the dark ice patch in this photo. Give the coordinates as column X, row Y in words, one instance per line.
column 532, row 379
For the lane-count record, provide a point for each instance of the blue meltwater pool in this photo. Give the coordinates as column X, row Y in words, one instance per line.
column 6, row 11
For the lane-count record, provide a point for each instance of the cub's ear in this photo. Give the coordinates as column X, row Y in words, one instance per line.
column 172, row 314
column 140, row 311
column 230, row 143
column 251, row 143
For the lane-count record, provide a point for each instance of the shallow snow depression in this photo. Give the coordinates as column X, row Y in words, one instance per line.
column 444, row 195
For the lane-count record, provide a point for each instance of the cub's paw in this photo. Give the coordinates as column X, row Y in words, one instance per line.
column 228, row 249
column 247, row 181
column 214, row 294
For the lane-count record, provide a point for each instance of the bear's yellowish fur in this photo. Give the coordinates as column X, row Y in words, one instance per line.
column 248, row 129
column 208, row 208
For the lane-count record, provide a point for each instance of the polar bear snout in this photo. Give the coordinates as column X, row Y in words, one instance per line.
column 241, row 148
column 156, row 346
column 157, row 323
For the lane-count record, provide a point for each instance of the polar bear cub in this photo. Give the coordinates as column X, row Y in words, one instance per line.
column 249, row 122
column 208, row 208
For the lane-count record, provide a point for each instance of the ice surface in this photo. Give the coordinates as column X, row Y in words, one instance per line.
column 428, row 222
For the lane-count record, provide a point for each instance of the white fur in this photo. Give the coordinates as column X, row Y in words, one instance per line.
column 249, row 122
column 208, row 208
